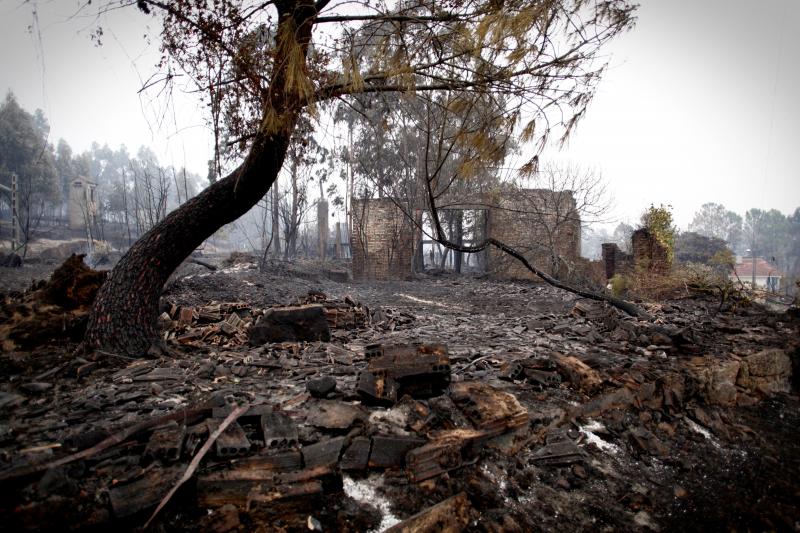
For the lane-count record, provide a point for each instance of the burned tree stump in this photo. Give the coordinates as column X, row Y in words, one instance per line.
column 55, row 311
column 73, row 284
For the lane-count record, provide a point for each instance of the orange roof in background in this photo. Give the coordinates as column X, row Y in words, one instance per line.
column 744, row 269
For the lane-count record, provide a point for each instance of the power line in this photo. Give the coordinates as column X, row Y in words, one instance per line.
column 774, row 99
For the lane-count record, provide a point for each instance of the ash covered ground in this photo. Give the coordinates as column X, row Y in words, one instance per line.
column 557, row 413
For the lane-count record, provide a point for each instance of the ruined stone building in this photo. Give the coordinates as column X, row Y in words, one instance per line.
column 392, row 239
column 647, row 255
column 82, row 203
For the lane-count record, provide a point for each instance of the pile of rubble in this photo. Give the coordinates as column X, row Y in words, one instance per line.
column 234, row 324
column 417, row 413
column 268, row 459
column 50, row 311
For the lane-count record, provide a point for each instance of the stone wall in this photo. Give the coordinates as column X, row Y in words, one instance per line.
column 615, row 260
column 525, row 220
column 382, row 240
column 648, row 253
column 737, row 380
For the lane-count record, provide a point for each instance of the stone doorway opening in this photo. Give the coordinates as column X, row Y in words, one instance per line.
column 466, row 227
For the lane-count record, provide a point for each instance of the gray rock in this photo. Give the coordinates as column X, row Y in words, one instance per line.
column 321, row 387
column 37, row 387
column 10, row 260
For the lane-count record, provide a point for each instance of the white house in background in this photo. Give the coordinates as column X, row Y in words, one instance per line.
column 767, row 275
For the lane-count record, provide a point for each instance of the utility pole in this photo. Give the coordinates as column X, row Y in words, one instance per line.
column 753, row 261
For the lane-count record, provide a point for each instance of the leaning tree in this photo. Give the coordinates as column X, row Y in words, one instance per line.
column 264, row 63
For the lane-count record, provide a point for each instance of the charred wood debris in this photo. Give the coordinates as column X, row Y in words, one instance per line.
column 351, row 417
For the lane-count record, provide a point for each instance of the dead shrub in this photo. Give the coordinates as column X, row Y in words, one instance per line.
column 682, row 281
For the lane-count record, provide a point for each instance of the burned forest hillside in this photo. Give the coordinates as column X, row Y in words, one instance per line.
column 295, row 400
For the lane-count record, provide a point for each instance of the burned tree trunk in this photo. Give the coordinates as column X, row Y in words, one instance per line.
column 459, row 237
column 124, row 314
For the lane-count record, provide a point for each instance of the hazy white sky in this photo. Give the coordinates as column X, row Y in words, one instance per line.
column 700, row 102
column 90, row 93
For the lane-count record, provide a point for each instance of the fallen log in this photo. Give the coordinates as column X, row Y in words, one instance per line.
column 578, row 372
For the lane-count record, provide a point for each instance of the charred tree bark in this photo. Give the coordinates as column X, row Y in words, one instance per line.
column 459, row 237
column 124, row 314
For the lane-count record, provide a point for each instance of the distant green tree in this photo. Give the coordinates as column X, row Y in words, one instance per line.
column 692, row 247
column 24, row 151
column 767, row 234
column 793, row 244
column 713, row 220
column 83, row 164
